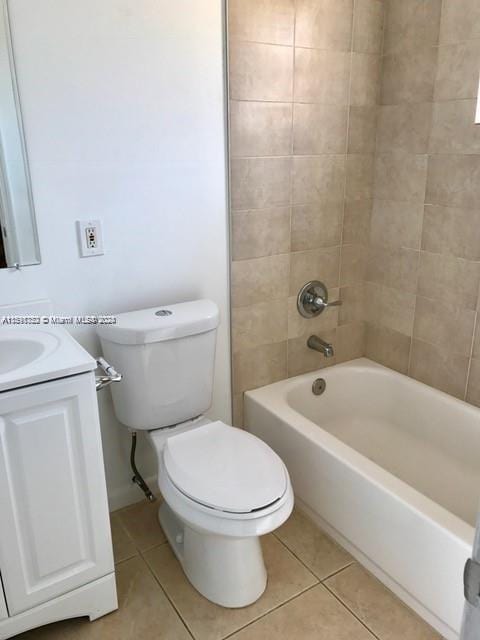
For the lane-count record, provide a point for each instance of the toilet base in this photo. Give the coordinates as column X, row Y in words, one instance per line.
column 226, row 570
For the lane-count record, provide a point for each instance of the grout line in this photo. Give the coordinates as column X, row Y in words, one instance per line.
column 335, row 573
column 350, row 611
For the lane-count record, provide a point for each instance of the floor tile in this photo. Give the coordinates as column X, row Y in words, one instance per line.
column 315, row 549
column 123, row 547
column 144, row 613
column 287, row 577
column 378, row 608
column 315, row 615
column 142, row 525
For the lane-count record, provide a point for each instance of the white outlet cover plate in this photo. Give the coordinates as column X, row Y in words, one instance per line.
column 85, row 250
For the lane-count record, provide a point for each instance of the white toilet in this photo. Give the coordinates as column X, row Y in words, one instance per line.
column 223, row 487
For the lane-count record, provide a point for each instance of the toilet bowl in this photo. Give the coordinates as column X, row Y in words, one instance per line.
column 223, row 487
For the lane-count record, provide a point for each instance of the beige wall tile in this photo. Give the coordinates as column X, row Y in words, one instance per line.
column 404, row 127
column 319, row 129
column 362, row 129
column 262, row 232
column 451, row 230
column 353, row 304
column 365, row 80
column 401, row 177
column 258, row 183
column 476, row 341
column 356, row 221
column 317, row 264
column 411, row 24
column 460, row 21
column 324, row 24
column 457, row 71
column 270, row 21
column 388, row 347
column 318, row 179
column 299, row 327
column 439, row 368
column 360, row 171
column 302, row 359
column 390, row 308
column 315, row 615
column 259, row 366
column 377, row 607
column 238, row 411
column 393, row 267
column 454, row 180
column 322, row 76
column 353, row 264
column 316, row 226
column 473, row 390
column 368, row 26
column 409, row 77
column 259, row 324
column 450, row 279
column 260, row 129
column 396, row 224
column 259, row 280
column 444, row 325
column 350, row 342
column 260, row 72
column 453, row 128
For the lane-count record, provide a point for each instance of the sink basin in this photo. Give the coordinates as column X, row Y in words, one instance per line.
column 29, row 355
column 17, row 352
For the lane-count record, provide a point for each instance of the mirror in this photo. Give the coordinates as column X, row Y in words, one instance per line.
column 18, row 232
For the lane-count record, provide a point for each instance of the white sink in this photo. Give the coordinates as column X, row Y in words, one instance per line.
column 29, row 355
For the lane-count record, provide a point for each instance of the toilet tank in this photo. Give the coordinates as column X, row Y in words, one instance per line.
column 166, row 356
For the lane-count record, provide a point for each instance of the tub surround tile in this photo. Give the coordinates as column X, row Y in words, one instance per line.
column 316, row 226
column 388, row 347
column 260, row 183
column 452, row 231
column 454, row 180
column 360, row 171
column 353, row 304
column 207, row 621
column 260, row 72
column 454, row 129
column 322, row 77
column 404, row 127
column 356, row 221
column 377, row 607
column 259, row 366
column 314, row 548
column 259, row 280
column 238, row 411
column 365, row 80
column 259, row 324
column 439, row 368
column 401, row 177
column 394, row 267
column 473, row 390
column 319, row 129
column 302, row 359
column 324, row 24
column 140, row 521
column 457, row 71
column 368, row 26
column 317, row 264
column 411, row 24
column 362, row 129
column 318, row 179
column 476, row 341
column 459, row 21
column 315, row 615
column 260, row 129
column 268, row 21
column 390, row 308
column 396, row 224
column 350, row 341
column 448, row 278
column 353, row 264
column 409, row 76
column 261, row 232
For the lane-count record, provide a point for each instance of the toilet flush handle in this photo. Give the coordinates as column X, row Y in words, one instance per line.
column 110, row 375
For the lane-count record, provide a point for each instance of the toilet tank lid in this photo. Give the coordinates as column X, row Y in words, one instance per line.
column 165, row 322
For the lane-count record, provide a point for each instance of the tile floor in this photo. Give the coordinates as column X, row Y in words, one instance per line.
column 316, row 591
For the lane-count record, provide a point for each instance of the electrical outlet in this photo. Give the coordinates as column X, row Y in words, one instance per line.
column 90, row 240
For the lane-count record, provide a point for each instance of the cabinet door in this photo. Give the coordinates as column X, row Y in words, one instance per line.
column 3, row 604
column 54, row 526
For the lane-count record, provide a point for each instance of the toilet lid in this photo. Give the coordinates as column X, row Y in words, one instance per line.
column 225, row 468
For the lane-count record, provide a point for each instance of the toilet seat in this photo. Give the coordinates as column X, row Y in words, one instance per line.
column 225, row 469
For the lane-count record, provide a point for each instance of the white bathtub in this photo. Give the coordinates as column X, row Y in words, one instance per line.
column 390, row 468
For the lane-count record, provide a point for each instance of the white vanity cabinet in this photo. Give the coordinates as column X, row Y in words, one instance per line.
column 56, row 556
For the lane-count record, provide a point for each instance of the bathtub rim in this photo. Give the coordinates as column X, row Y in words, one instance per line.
column 273, row 398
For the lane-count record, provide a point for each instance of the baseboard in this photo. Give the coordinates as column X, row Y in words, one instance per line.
column 129, row 494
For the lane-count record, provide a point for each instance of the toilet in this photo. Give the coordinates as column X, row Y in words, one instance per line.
column 223, row 487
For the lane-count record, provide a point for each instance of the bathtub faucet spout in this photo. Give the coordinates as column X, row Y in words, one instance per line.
column 317, row 344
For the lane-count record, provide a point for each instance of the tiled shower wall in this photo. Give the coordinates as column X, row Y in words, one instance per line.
column 423, row 272
column 304, row 81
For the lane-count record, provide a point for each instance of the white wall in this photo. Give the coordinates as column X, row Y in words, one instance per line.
column 123, row 108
